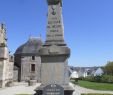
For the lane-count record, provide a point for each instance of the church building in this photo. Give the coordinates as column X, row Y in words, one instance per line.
column 6, row 60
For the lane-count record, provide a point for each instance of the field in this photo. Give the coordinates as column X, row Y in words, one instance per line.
column 96, row 86
column 96, row 94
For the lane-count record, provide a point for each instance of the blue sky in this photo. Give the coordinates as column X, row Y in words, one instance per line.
column 88, row 27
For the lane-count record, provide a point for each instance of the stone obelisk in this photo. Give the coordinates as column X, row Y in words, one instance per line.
column 55, row 53
column 55, row 29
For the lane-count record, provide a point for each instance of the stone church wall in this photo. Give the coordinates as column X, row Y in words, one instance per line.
column 15, row 75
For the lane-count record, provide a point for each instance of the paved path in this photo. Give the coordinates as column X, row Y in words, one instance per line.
column 23, row 88
column 19, row 88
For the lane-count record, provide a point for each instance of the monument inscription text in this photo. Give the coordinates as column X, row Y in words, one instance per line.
column 53, row 89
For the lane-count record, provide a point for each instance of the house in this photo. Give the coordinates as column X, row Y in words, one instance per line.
column 98, row 72
column 74, row 75
column 86, row 71
column 28, row 61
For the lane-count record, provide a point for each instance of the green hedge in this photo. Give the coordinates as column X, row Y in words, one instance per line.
column 103, row 79
column 107, row 79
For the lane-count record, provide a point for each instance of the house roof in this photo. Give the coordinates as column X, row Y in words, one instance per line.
column 32, row 46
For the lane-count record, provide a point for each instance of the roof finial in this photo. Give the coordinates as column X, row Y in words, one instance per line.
column 30, row 36
column 40, row 35
column 2, row 26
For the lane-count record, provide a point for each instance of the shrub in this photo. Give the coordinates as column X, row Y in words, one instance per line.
column 97, row 78
column 89, row 78
column 107, row 79
column 103, row 79
column 81, row 78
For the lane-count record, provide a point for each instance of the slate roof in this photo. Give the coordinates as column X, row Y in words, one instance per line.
column 32, row 46
column 81, row 70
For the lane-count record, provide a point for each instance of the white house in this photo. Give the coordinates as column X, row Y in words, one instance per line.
column 85, row 71
column 98, row 72
column 74, row 75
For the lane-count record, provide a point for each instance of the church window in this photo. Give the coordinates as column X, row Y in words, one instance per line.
column 32, row 67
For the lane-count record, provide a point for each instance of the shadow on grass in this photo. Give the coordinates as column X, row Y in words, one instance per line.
column 96, row 86
column 96, row 94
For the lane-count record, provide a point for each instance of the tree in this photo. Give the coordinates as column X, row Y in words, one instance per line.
column 109, row 68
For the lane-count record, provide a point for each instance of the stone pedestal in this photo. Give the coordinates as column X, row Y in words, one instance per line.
column 9, row 84
column 54, row 69
column 32, row 82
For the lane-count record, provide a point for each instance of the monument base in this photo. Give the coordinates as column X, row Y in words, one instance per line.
column 68, row 90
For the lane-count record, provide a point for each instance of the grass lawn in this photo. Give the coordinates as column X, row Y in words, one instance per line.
column 96, row 94
column 96, row 86
column 23, row 94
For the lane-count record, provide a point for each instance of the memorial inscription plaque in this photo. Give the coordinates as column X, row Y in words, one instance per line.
column 53, row 89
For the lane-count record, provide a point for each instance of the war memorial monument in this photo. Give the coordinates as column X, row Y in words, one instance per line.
column 54, row 55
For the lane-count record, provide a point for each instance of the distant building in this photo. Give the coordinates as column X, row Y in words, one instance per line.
column 74, row 75
column 28, row 61
column 98, row 72
column 86, row 71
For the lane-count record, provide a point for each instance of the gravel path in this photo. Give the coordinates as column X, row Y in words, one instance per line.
column 23, row 88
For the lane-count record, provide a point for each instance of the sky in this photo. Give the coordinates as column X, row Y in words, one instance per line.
column 88, row 26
